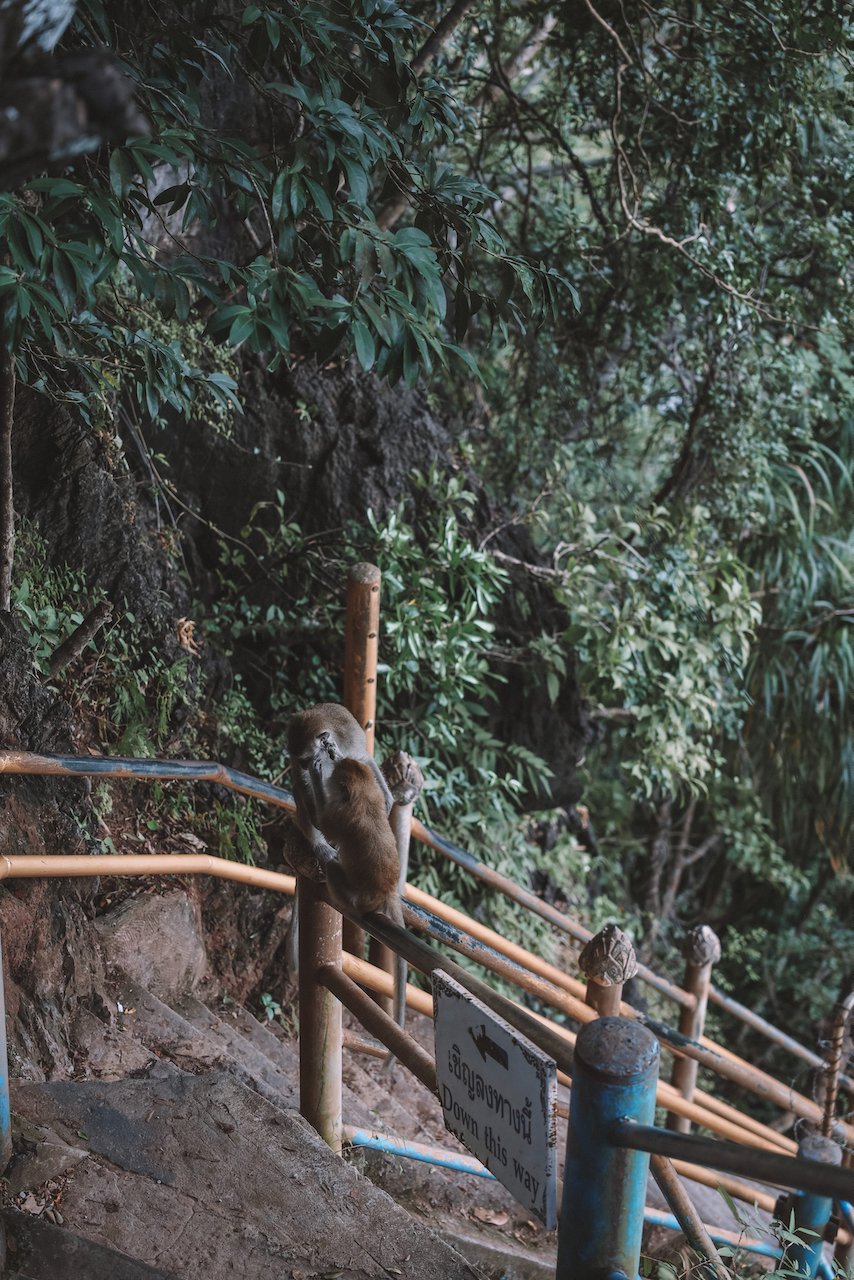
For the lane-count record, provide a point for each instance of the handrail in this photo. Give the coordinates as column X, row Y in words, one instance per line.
column 130, row 767
column 511, row 890
column 765, row 1166
column 29, row 866
column 702, row 1051
column 556, row 1041
column 123, row 767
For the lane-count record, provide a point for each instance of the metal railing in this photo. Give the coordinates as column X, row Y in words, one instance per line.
column 330, row 980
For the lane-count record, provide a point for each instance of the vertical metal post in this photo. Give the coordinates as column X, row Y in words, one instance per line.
column 607, row 962
column 361, row 647
column 811, row 1212
column 320, row 1017
column 604, row 1189
column 702, row 950
column 5, row 1114
column 405, row 781
column 843, row 1253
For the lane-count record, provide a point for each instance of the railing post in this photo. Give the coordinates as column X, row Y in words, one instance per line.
column 361, row 647
column 811, row 1211
column 5, row 1114
column 604, row 1190
column 405, row 781
column 320, row 1019
column 607, row 962
column 702, row 950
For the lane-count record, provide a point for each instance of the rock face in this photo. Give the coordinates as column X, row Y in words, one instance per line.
column 198, row 1176
column 82, row 497
column 335, row 443
column 51, row 966
column 157, row 942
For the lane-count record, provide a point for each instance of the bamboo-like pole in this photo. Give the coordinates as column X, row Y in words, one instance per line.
column 379, row 1024
column 693, row 1227
column 702, row 950
column 607, row 961
column 320, row 1019
column 361, row 649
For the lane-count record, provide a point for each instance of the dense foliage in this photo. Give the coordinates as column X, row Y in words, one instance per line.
column 624, row 236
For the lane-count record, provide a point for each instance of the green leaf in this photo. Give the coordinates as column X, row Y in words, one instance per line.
column 121, row 173
column 364, row 343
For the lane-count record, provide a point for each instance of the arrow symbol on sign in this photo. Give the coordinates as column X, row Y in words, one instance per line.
column 487, row 1048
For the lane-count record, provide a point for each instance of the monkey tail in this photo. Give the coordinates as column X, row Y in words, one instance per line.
column 395, row 912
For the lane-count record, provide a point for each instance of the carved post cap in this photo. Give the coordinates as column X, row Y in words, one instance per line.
column 403, row 776
column 609, row 958
column 701, row 945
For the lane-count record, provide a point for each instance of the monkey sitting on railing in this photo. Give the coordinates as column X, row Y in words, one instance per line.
column 342, row 799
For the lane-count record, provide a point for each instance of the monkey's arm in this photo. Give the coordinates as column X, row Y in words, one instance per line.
column 310, row 794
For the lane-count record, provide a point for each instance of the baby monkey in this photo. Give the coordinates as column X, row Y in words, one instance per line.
column 363, row 878
column 353, row 816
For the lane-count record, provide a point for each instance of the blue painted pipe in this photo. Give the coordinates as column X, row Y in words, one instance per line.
column 604, row 1187
column 400, row 1147
column 468, row 1164
column 657, row 1218
column 811, row 1210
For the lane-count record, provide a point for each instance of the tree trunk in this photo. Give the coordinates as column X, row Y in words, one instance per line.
column 7, row 508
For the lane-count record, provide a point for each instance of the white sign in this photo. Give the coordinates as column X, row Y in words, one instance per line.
column 498, row 1094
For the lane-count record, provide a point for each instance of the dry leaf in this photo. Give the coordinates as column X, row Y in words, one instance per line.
column 494, row 1217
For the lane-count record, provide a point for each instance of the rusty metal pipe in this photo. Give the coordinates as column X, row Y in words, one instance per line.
column 740, row 1073
column 728, row 1066
column 527, row 960
column 735, row 1126
column 379, row 1024
column 512, row 950
column 129, row 768
column 764, row 1166
column 368, row 975
column 767, row 1029
column 738, row 1190
column 31, row 866
column 686, row 1215
column 424, row 958
column 358, row 1044
column 510, row 889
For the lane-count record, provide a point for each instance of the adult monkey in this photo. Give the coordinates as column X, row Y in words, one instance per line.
column 349, row 806
column 318, row 738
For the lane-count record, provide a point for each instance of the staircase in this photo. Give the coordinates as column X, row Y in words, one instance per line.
column 187, row 1159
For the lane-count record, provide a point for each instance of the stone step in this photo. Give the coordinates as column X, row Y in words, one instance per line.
column 38, row 1250
column 196, row 1175
column 253, row 1066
